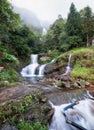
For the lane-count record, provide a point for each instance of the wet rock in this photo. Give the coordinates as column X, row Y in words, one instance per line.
column 81, row 83
column 8, row 127
column 75, row 85
column 61, row 84
column 65, row 78
column 49, row 68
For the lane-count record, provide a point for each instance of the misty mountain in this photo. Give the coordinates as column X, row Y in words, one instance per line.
column 31, row 19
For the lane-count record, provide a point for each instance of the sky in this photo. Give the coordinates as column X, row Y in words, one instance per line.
column 50, row 9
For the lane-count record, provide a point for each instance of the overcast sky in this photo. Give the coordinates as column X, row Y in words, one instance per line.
column 49, row 9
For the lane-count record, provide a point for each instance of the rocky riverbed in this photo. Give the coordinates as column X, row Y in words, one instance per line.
column 43, row 91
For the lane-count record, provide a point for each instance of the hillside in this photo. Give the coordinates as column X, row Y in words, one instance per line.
column 82, row 65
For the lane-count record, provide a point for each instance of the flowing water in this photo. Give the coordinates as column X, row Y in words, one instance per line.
column 68, row 67
column 33, row 70
column 73, row 115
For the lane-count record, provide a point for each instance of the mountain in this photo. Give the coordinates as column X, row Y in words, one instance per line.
column 31, row 19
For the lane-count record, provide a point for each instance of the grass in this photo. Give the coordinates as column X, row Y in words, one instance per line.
column 82, row 50
column 83, row 72
column 82, row 62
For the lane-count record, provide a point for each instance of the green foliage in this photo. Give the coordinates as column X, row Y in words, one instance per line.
column 38, row 126
column 87, row 17
column 15, row 37
column 9, row 58
column 84, row 65
column 4, row 75
column 54, row 54
column 22, row 41
column 60, row 84
column 74, row 41
column 9, row 75
column 16, row 112
column 82, row 62
column 73, row 25
column 53, row 35
column 83, row 51
column 82, row 72
column 8, row 19
column 26, row 126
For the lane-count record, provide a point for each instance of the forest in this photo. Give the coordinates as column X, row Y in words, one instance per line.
column 17, row 41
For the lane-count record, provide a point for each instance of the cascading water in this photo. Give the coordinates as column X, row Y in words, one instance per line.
column 58, row 119
column 41, row 70
column 34, row 58
column 30, row 70
column 68, row 68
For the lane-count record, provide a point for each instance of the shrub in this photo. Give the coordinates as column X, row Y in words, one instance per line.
column 26, row 126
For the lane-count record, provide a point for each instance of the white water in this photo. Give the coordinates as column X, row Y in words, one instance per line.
column 30, row 70
column 82, row 114
column 34, row 58
column 41, row 70
column 58, row 120
column 68, row 68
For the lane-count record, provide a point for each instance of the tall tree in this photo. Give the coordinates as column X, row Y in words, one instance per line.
column 73, row 25
column 88, row 23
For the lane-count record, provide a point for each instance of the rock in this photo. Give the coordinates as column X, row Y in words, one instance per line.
column 1, row 68
column 49, row 68
column 87, row 84
column 75, row 85
column 81, row 83
column 8, row 127
column 64, row 78
column 5, row 83
column 45, row 58
column 61, row 84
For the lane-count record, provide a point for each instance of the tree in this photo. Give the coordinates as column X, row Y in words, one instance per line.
column 87, row 23
column 73, row 25
column 22, row 41
column 53, row 35
column 73, row 28
column 8, row 21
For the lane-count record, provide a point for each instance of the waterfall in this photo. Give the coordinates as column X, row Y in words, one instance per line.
column 34, row 58
column 33, row 70
column 41, row 70
column 73, row 116
column 58, row 119
column 68, row 68
column 69, row 59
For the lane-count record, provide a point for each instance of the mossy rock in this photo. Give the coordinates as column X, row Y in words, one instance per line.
column 60, row 84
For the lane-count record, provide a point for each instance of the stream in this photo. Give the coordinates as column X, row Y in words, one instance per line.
column 33, row 79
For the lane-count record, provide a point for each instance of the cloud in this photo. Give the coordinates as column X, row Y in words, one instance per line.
column 49, row 9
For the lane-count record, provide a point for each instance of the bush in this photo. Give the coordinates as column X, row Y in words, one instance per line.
column 26, row 126
column 9, row 75
column 54, row 54
column 9, row 58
